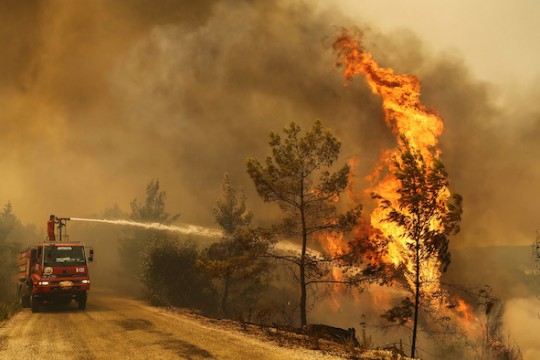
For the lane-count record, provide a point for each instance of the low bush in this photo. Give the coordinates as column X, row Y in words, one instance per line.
column 170, row 273
column 8, row 309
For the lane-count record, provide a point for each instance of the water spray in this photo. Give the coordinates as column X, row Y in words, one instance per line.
column 186, row 229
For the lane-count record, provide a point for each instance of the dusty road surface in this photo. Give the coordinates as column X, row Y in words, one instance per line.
column 114, row 327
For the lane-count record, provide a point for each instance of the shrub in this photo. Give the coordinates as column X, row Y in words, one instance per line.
column 7, row 310
column 170, row 273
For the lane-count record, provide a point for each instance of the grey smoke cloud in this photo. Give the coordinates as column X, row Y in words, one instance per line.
column 96, row 100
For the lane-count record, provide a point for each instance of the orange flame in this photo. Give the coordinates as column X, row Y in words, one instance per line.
column 419, row 126
column 466, row 317
column 464, row 310
column 400, row 93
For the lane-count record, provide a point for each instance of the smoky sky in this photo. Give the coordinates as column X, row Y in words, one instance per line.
column 98, row 98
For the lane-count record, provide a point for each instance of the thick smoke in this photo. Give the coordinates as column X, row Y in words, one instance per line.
column 102, row 101
column 98, row 98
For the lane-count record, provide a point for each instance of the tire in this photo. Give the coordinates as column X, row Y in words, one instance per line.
column 81, row 300
column 24, row 300
column 35, row 304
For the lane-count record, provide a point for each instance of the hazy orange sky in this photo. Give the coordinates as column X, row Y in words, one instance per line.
column 98, row 98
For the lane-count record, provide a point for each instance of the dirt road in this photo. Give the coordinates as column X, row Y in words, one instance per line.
column 114, row 327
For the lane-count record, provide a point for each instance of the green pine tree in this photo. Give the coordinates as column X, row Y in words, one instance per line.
column 297, row 177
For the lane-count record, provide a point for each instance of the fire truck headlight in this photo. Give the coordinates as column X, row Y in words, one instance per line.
column 43, row 283
column 86, row 281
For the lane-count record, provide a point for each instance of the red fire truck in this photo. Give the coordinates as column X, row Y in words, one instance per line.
column 54, row 272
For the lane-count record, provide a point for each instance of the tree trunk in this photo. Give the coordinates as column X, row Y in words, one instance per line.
column 416, row 298
column 303, row 292
column 225, row 295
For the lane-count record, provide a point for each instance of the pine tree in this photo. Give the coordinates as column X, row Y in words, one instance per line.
column 236, row 263
column 426, row 218
column 297, row 178
column 150, row 211
column 230, row 211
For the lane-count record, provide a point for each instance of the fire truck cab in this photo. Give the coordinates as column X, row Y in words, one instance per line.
column 54, row 272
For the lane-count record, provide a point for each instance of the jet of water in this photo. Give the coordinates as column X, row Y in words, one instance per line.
column 187, row 229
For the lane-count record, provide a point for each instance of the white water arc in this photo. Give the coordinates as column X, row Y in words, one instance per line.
column 187, row 229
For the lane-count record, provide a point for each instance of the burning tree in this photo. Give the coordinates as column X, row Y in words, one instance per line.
column 288, row 178
column 425, row 219
column 415, row 212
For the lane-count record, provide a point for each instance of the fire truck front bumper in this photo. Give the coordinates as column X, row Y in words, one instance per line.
column 52, row 287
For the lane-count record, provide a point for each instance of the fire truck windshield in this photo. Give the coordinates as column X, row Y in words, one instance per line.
column 64, row 255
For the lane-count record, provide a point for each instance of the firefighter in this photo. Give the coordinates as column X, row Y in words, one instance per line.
column 50, row 227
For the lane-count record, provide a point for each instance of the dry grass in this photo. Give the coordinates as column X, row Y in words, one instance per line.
column 8, row 310
column 294, row 338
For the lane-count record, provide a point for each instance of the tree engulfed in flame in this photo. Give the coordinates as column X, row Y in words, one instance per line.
column 411, row 123
column 415, row 212
column 413, row 215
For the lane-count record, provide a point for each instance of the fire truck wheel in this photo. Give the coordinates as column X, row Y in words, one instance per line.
column 24, row 300
column 35, row 304
column 81, row 300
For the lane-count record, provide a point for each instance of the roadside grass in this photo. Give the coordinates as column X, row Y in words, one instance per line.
column 7, row 310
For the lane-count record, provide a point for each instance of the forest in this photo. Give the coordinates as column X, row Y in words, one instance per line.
column 321, row 248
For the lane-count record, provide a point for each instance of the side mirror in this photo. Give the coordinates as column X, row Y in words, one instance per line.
column 34, row 255
column 91, row 255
